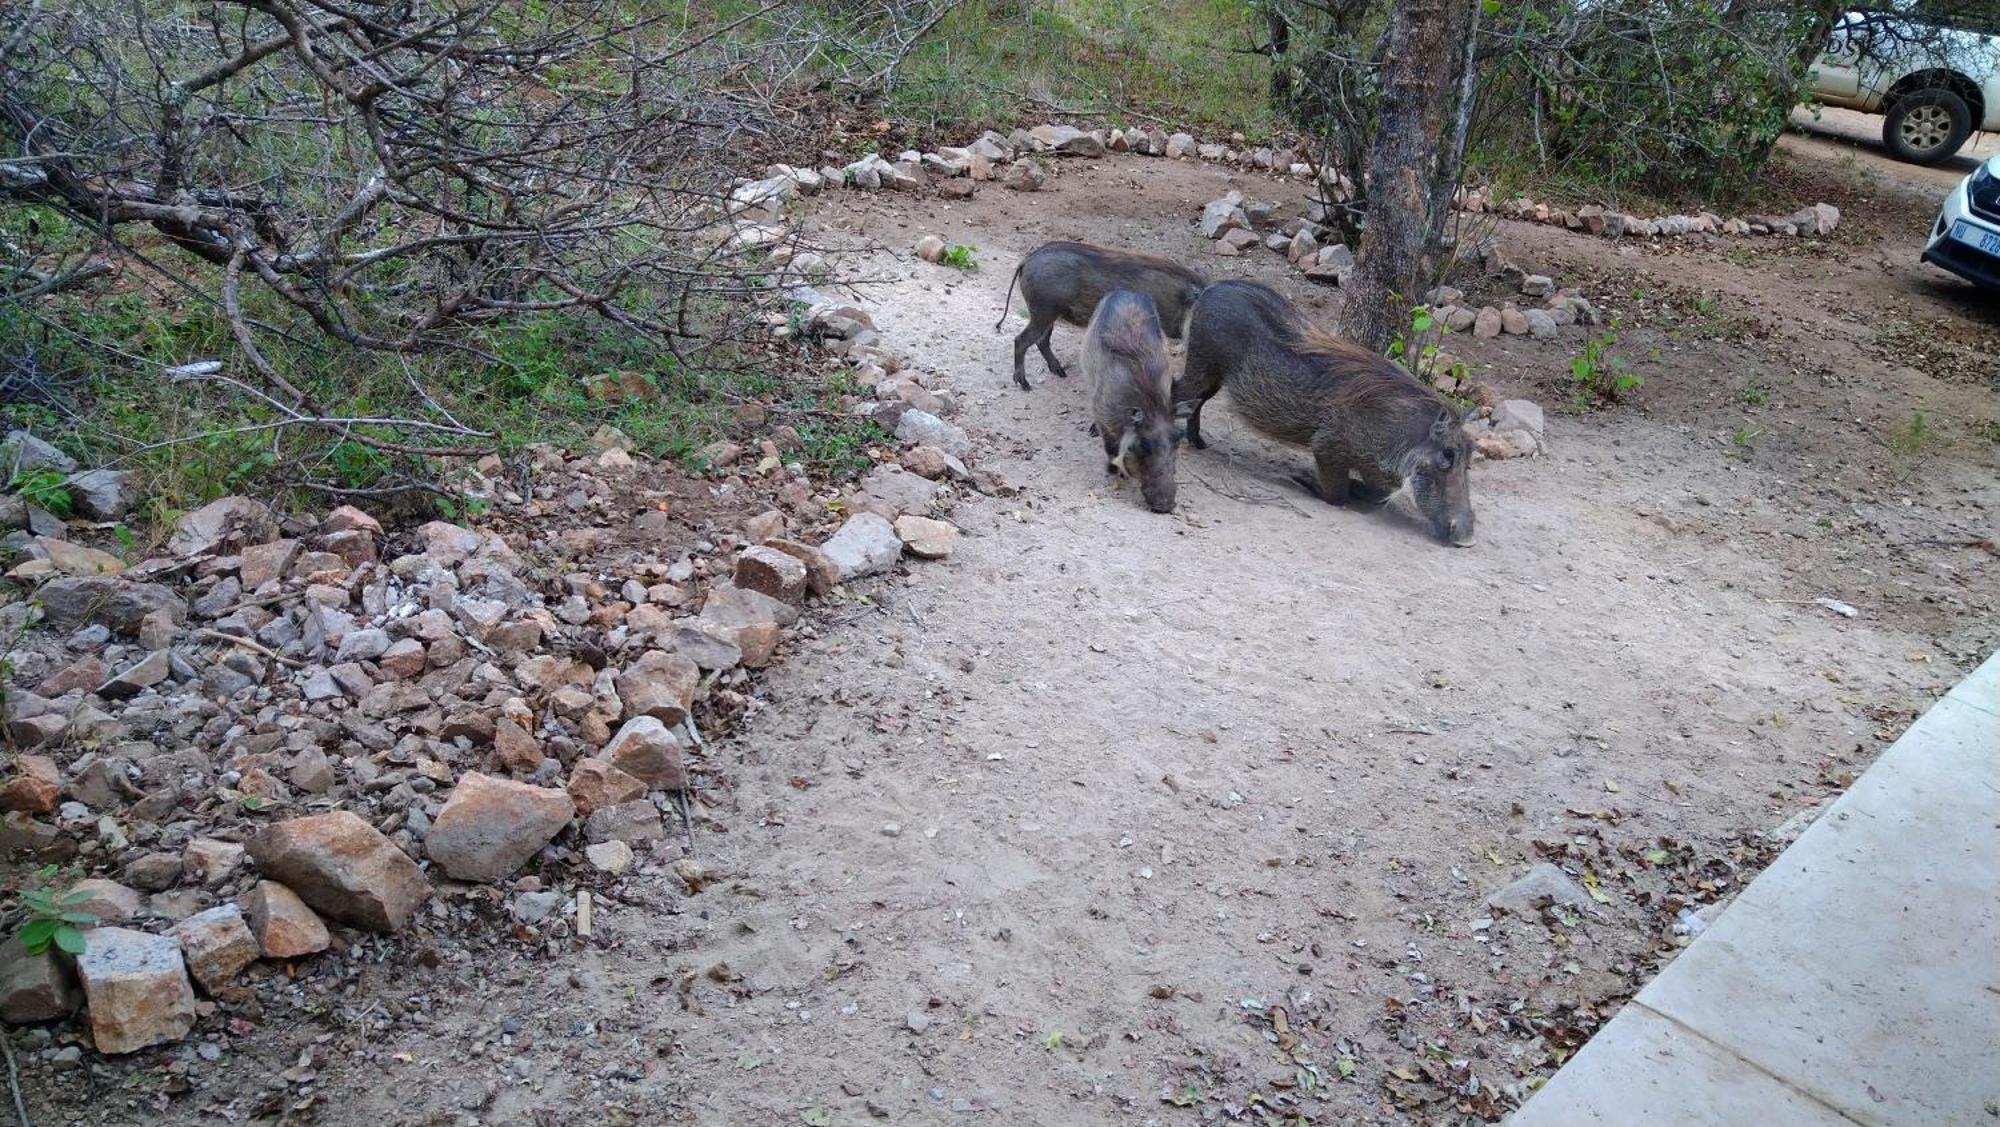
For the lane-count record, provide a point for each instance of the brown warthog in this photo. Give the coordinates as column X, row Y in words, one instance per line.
column 1131, row 394
column 1065, row 281
column 1370, row 425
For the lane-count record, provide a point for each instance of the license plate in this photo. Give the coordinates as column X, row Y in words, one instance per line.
column 1976, row 237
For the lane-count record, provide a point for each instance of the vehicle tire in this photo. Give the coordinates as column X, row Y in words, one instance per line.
column 1925, row 126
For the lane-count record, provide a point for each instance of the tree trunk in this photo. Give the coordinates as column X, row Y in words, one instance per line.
column 1415, row 82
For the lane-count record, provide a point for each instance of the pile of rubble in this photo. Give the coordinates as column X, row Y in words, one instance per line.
column 284, row 732
column 1233, row 223
column 1559, row 308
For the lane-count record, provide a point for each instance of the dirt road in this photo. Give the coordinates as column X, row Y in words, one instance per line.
column 1127, row 818
column 1828, row 133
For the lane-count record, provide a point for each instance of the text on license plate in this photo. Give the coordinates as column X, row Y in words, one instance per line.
column 1975, row 237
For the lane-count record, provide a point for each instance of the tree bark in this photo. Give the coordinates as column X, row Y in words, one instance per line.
column 1415, row 81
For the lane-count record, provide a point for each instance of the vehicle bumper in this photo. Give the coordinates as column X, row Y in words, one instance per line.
column 1967, row 262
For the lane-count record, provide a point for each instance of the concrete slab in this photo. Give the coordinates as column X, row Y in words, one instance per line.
column 1860, row 972
column 1642, row 1068
column 1982, row 688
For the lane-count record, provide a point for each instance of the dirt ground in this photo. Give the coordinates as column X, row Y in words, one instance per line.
column 1127, row 818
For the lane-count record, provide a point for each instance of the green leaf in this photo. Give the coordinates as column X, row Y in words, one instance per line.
column 39, row 901
column 69, row 939
column 84, row 918
column 37, row 935
column 73, row 896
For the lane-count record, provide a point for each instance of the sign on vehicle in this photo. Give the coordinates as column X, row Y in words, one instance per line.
column 1973, row 236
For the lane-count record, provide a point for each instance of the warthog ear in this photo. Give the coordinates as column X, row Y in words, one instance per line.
column 1444, row 424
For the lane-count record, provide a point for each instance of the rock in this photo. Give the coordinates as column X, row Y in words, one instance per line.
column 120, row 604
column 282, row 924
column 217, row 945
column 925, row 538
column 1219, row 217
column 1458, row 318
column 344, row 867
column 1512, row 321
column 490, row 827
column 709, row 651
column 1066, row 140
column 403, row 659
column 34, row 988
column 347, row 518
column 1540, row 325
column 1522, row 897
column 76, row 559
column 1025, row 176
column 1302, row 247
column 921, row 428
column 310, row 771
column 514, row 749
column 1236, row 242
column 890, row 491
column 930, row 248
column 1614, row 223
column 108, row 901
column 1591, row 216
column 771, row 572
column 647, row 751
column 157, row 630
column 1519, row 414
column 611, row 857
column 35, row 786
column 865, row 545
column 230, row 520
column 822, row 574
column 1820, row 218
column 1181, row 145
column 211, row 861
column 137, row 679
column 596, row 784
column 263, row 563
column 137, row 989
column 1537, row 285
column 154, row 872
column 1212, row 152
column 21, row 452
column 661, row 683
column 1487, row 324
column 729, row 606
column 629, row 822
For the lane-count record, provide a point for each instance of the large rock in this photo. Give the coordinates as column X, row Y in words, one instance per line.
column 1486, row 325
column 217, row 945
column 596, row 784
column 34, row 987
column 1543, row 882
column 926, row 539
column 921, row 428
column 1223, row 216
column 1181, row 145
column 120, row 604
column 629, row 822
column 35, row 786
column 211, row 861
column 648, row 751
column 892, row 491
column 105, row 901
column 1541, row 324
column 490, row 827
column 731, row 606
column 660, row 684
column 137, row 989
column 343, row 867
column 708, row 650
column 132, row 681
column 21, row 452
column 1513, row 322
column 772, row 573
column 1236, row 242
column 1025, row 176
column 230, row 520
column 865, row 545
column 77, row 559
column 282, row 924
column 1066, row 140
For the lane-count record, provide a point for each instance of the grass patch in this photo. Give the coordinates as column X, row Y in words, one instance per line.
column 1130, row 62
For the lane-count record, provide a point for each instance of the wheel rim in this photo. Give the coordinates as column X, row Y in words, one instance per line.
column 1926, row 127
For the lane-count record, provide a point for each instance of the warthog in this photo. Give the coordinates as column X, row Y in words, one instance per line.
column 1370, row 425
column 1065, row 281
column 1131, row 394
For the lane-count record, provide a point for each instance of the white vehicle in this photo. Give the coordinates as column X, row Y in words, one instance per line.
column 1933, row 85
column 1966, row 238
